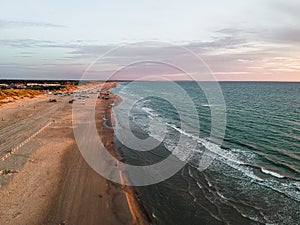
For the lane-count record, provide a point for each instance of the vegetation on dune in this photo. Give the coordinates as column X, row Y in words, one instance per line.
column 18, row 93
column 68, row 87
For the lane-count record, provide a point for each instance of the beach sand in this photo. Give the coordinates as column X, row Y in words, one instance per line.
column 107, row 135
column 54, row 185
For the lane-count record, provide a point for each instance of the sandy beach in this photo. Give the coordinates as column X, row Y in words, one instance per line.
column 47, row 181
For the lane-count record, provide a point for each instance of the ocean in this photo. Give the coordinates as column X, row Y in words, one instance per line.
column 254, row 177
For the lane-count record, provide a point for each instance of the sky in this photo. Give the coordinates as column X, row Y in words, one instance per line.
column 249, row 40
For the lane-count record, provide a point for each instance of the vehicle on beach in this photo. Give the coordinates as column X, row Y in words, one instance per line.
column 52, row 100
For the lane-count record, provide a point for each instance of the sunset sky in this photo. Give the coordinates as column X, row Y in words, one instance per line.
column 255, row 40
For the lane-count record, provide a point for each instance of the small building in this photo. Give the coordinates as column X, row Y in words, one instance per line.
column 43, row 85
column 4, row 86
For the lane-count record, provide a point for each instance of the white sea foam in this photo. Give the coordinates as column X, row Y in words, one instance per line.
column 274, row 174
column 226, row 157
column 150, row 111
column 221, row 196
column 199, row 185
column 231, row 160
column 210, row 105
column 230, row 157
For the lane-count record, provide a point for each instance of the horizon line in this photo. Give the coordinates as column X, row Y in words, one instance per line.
column 130, row 80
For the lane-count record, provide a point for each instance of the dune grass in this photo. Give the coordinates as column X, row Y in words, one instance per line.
column 18, row 93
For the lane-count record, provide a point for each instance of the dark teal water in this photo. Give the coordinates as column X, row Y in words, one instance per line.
column 255, row 177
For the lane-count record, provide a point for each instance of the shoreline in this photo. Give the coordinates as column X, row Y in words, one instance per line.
column 136, row 208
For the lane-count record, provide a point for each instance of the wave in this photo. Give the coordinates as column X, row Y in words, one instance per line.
column 230, row 159
column 150, row 111
column 227, row 157
column 269, row 172
column 238, row 159
column 278, row 162
column 210, row 105
column 247, row 168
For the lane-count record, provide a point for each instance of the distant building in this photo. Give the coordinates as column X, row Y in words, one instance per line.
column 4, row 86
column 18, row 85
column 44, row 85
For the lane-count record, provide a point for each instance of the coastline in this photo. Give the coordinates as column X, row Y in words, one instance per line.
column 137, row 210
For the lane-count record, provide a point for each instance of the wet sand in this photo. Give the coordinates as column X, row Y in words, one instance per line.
column 107, row 135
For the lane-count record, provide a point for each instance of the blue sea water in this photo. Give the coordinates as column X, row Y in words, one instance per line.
column 255, row 176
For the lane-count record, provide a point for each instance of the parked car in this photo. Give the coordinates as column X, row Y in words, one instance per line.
column 52, row 100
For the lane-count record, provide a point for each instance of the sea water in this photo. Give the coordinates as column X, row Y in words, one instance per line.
column 255, row 175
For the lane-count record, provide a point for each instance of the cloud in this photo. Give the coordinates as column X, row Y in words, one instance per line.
column 231, row 73
column 281, row 26
column 271, row 35
column 290, row 35
column 148, row 49
column 91, row 50
column 24, row 43
column 229, row 31
column 33, row 43
column 228, row 42
column 290, row 10
column 18, row 24
column 231, row 53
